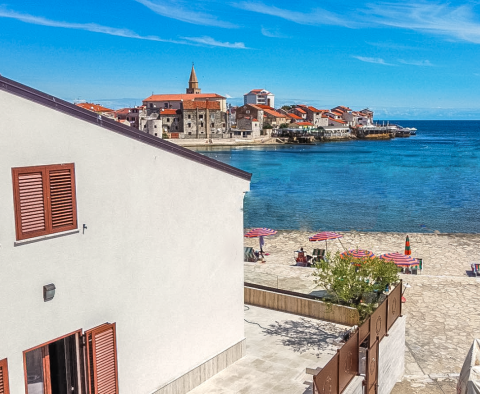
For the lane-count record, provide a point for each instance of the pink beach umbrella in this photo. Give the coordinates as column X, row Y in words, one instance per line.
column 260, row 233
column 400, row 259
column 325, row 236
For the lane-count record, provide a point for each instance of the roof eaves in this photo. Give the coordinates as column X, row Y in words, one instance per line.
column 60, row 105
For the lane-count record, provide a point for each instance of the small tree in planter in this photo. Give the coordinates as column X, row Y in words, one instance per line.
column 355, row 282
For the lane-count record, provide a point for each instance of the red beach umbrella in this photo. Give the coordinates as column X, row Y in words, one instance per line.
column 400, row 259
column 260, row 232
column 408, row 252
column 358, row 253
column 325, row 236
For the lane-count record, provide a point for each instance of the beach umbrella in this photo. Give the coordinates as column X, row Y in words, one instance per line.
column 358, row 253
column 325, row 236
column 260, row 233
column 408, row 252
column 400, row 259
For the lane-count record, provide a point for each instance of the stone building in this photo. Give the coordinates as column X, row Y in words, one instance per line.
column 190, row 115
column 202, row 118
column 315, row 116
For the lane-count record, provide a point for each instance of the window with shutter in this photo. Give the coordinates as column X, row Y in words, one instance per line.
column 101, row 348
column 4, row 377
column 44, row 199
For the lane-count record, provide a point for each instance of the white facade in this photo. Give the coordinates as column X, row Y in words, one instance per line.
column 259, row 96
column 162, row 254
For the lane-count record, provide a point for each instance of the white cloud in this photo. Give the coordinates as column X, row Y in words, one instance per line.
column 212, row 42
column 375, row 60
column 272, row 33
column 316, row 16
column 423, row 63
column 177, row 10
column 93, row 27
column 433, row 17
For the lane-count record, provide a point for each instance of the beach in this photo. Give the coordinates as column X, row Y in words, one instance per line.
column 442, row 302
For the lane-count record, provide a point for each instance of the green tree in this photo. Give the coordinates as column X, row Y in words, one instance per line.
column 355, row 282
column 284, row 126
column 287, row 107
column 267, row 126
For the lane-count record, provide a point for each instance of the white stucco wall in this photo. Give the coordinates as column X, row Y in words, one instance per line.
column 162, row 255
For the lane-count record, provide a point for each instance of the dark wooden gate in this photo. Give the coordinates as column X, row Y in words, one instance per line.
column 372, row 369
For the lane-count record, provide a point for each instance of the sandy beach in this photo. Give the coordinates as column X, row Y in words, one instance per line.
column 442, row 302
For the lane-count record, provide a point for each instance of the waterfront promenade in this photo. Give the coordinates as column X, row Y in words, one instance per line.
column 442, row 303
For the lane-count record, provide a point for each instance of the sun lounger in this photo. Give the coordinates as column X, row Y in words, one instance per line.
column 249, row 255
column 475, row 268
column 318, row 254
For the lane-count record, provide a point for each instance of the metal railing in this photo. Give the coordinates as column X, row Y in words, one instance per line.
column 345, row 365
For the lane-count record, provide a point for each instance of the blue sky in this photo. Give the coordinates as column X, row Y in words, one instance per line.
column 404, row 60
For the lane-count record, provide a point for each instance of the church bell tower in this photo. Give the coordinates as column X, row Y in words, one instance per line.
column 193, row 83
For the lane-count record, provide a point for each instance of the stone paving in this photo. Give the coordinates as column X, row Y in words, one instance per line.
column 280, row 346
column 442, row 308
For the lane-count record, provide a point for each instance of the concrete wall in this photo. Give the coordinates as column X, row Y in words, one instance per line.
column 168, row 272
column 355, row 386
column 391, row 357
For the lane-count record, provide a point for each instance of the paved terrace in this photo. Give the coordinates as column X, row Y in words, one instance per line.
column 280, row 346
column 443, row 304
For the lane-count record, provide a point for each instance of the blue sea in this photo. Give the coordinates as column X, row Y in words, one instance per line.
column 423, row 183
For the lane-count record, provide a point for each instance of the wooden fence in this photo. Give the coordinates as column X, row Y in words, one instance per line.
column 299, row 304
column 344, row 366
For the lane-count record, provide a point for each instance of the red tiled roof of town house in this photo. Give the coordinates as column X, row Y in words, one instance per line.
column 313, row 109
column 337, row 113
column 255, row 120
column 169, row 112
column 190, row 104
column 300, row 110
column 94, row 107
column 338, row 120
column 269, row 110
column 178, row 97
column 257, row 91
column 293, row 116
column 305, row 124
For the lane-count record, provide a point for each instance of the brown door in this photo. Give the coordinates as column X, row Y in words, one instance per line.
column 4, row 389
column 101, row 357
column 372, row 369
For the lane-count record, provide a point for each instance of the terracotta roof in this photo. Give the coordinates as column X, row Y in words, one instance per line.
column 338, row 120
column 257, row 91
column 305, row 124
column 269, row 110
column 169, row 112
column 293, row 116
column 94, row 107
column 178, row 97
column 313, row 109
column 190, row 104
column 56, row 104
column 255, row 120
column 300, row 110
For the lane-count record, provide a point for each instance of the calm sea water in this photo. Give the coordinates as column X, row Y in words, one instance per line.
column 427, row 182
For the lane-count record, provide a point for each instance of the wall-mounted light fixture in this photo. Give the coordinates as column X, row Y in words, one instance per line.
column 48, row 292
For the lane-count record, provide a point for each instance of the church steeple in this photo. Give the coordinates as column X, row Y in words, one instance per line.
column 193, row 83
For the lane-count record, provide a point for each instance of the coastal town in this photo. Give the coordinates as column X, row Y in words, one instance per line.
column 186, row 118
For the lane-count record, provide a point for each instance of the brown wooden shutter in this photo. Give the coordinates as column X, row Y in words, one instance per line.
column 101, row 346
column 45, row 201
column 62, row 197
column 4, row 389
column 30, row 201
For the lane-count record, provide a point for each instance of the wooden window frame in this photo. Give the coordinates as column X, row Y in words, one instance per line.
column 4, row 366
column 46, row 378
column 46, row 200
